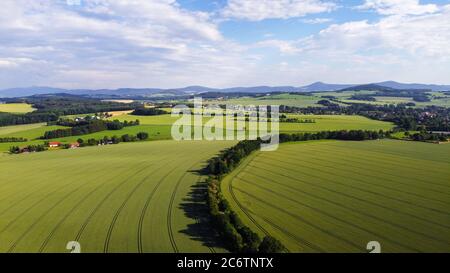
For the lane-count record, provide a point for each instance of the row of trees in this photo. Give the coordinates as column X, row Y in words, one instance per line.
column 92, row 127
column 149, row 112
column 352, row 135
column 427, row 137
column 28, row 149
column 284, row 118
column 141, row 136
column 12, row 139
column 7, row 119
column 230, row 158
column 238, row 237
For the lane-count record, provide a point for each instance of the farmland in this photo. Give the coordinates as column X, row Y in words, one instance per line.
column 17, row 108
column 159, row 127
column 140, row 197
column 332, row 196
column 277, row 99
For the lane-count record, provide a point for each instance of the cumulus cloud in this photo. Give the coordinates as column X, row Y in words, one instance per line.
column 256, row 10
column 316, row 21
column 111, row 43
column 399, row 7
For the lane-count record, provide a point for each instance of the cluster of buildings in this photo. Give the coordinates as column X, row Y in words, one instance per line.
column 55, row 144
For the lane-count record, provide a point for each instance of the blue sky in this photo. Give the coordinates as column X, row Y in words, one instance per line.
column 222, row 43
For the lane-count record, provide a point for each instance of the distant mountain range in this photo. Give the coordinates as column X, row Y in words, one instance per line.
column 128, row 92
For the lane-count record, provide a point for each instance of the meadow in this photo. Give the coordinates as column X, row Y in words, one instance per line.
column 277, row 99
column 331, row 196
column 159, row 127
column 140, row 197
column 16, row 108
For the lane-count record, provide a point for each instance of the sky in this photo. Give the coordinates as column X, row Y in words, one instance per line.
column 222, row 43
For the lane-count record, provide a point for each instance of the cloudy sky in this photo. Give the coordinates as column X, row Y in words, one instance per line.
column 223, row 43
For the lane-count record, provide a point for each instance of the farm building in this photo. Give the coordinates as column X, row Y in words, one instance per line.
column 74, row 145
column 54, row 144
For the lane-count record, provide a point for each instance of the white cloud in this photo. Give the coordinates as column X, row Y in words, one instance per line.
column 316, row 21
column 399, row 7
column 112, row 43
column 256, row 10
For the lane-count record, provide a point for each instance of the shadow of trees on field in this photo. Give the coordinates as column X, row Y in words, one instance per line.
column 195, row 207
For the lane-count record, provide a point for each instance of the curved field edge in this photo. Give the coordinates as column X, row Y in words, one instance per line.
column 337, row 196
column 127, row 198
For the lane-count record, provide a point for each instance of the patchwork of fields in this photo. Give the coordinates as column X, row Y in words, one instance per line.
column 159, row 128
column 140, row 197
column 332, row 196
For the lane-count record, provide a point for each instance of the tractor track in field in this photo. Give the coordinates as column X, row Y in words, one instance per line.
column 353, row 197
column 230, row 189
column 169, row 210
column 301, row 219
column 299, row 240
column 29, row 208
column 97, row 207
column 376, row 162
column 341, row 220
column 244, row 210
column 11, row 249
column 144, row 210
column 339, row 205
column 390, row 162
column 50, row 236
column 368, row 175
column 30, row 227
column 365, row 190
column 119, row 210
column 28, row 195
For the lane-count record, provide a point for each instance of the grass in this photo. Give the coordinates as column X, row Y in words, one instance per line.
column 278, row 99
column 337, row 196
column 159, row 128
column 16, row 108
column 139, row 197
column 19, row 128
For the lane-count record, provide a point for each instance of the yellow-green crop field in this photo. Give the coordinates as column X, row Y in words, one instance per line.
column 331, row 196
column 17, row 108
column 139, row 197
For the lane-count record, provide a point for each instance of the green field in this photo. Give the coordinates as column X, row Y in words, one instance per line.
column 140, row 197
column 17, row 108
column 7, row 130
column 332, row 196
column 277, row 99
column 159, row 128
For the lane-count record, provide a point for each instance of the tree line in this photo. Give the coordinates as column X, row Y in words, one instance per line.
column 237, row 236
column 430, row 118
column 51, row 107
column 427, row 137
column 12, row 139
column 141, row 136
column 29, row 149
column 7, row 119
column 149, row 112
column 93, row 126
